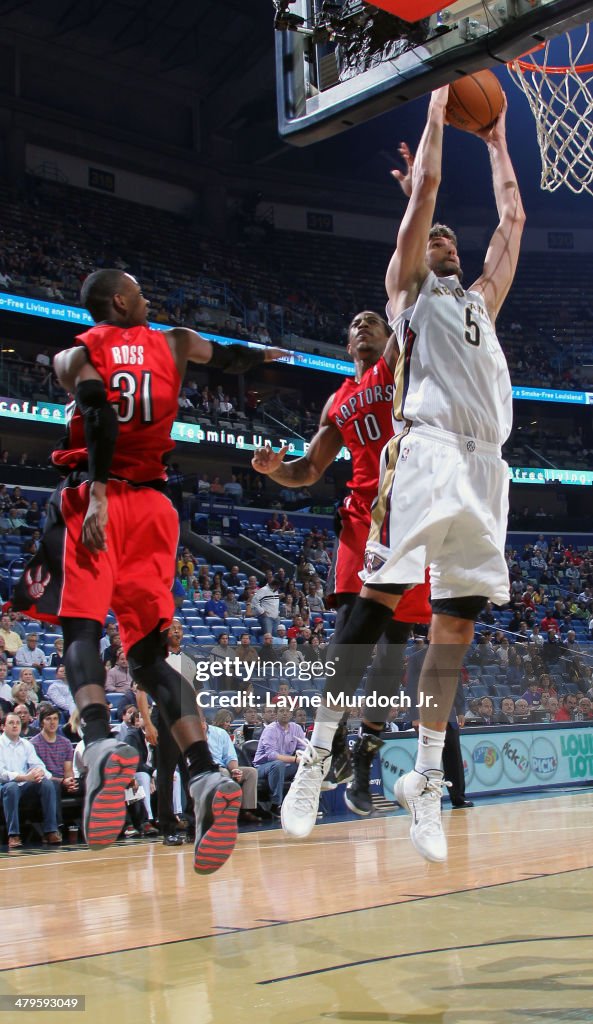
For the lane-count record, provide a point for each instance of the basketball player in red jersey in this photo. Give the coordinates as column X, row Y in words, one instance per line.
column 359, row 415
column 110, row 542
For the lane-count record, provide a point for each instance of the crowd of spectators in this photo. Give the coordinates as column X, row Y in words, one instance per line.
column 266, row 284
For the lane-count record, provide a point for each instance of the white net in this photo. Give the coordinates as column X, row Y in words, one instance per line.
column 561, row 100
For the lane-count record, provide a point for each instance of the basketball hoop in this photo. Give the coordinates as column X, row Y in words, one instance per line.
column 561, row 100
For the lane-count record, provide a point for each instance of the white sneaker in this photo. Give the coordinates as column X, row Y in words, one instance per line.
column 301, row 804
column 420, row 794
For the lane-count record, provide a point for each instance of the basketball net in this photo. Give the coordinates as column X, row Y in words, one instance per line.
column 561, row 100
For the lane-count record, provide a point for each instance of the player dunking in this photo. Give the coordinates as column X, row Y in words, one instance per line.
column 443, row 496
column 360, row 415
column 110, row 542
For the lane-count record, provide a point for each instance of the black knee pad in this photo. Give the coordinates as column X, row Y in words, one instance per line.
column 174, row 696
column 460, row 607
column 81, row 653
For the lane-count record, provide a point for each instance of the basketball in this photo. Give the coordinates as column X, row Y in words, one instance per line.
column 475, row 101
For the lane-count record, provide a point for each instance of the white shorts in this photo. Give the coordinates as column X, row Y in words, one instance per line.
column 443, row 504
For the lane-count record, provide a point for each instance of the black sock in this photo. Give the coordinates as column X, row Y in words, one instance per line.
column 94, row 721
column 199, row 759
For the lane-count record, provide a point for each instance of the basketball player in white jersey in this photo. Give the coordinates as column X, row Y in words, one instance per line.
column 443, row 492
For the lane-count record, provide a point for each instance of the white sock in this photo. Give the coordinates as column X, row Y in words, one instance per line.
column 326, row 724
column 430, row 749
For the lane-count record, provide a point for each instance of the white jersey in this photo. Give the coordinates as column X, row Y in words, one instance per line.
column 451, row 373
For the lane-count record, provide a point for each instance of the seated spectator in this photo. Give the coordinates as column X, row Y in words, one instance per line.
column 27, row 730
column 507, row 711
column 280, row 640
column 486, row 714
column 28, row 681
column 30, row 655
column 487, row 615
column 515, row 671
column 567, row 708
column 553, row 706
column 57, row 658
column 220, row 651
column 584, row 710
column 58, row 692
column 276, row 757
column 313, row 651
column 522, row 711
column 532, row 695
column 216, row 487
column 282, row 693
column 267, row 653
column 233, row 489
column 12, row 640
column 549, row 622
column 233, row 605
column 5, row 688
column 223, row 719
column 119, row 679
column 216, row 606
column 23, row 776
column 273, row 523
column 292, row 654
column 107, row 640
column 294, row 630
column 57, row 755
column 224, row 756
column 535, row 637
column 110, row 653
column 250, row 728
column 3, row 655
column 244, row 651
column 130, row 717
column 285, row 525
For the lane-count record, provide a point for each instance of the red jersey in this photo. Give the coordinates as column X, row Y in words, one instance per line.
column 362, row 412
column 142, row 381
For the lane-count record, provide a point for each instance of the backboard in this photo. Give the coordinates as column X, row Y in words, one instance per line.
column 341, row 62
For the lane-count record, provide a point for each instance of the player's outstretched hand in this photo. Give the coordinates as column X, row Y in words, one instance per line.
column 266, row 460
column 404, row 178
column 94, row 527
column 497, row 131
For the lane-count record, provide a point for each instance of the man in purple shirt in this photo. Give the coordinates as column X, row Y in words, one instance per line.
column 277, row 754
column 57, row 754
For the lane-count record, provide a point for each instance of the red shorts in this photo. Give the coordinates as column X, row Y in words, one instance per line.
column 414, row 605
column 133, row 577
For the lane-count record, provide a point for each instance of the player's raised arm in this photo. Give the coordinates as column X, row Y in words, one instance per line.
column 308, row 469
column 407, row 268
column 189, row 346
column 503, row 252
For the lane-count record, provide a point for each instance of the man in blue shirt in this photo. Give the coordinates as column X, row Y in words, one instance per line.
column 216, row 606
column 22, row 776
column 225, row 756
column 277, row 754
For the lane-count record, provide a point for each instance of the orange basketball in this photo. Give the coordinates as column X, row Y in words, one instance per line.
column 475, row 101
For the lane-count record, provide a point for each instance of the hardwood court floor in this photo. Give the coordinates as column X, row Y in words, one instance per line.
column 350, row 925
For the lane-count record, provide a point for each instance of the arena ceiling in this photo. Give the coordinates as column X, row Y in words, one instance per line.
column 217, row 55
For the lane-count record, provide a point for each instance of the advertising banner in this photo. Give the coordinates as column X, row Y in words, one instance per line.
column 507, row 759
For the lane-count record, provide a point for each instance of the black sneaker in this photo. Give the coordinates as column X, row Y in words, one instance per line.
column 111, row 767
column 341, row 765
column 358, row 795
column 216, row 802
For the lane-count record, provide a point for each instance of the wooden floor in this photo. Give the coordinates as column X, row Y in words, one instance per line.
column 350, row 925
